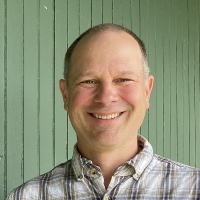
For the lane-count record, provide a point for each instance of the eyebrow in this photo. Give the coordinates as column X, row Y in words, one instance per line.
column 83, row 74
column 129, row 72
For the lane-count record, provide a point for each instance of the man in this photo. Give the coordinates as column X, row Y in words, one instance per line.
column 106, row 93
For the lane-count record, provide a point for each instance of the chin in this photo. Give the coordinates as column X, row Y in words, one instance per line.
column 106, row 140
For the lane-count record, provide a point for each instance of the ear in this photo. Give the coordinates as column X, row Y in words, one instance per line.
column 148, row 88
column 63, row 90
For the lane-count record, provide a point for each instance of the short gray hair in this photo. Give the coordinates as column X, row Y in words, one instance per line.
column 101, row 28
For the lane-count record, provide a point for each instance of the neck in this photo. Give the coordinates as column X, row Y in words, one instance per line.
column 109, row 159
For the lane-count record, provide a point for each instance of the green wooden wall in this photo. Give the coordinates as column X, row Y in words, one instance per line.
column 35, row 134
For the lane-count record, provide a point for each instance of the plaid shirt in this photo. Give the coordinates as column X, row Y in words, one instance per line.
column 146, row 176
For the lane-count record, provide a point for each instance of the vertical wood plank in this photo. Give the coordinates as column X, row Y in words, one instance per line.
column 85, row 15
column 159, row 76
column 191, row 82
column 117, row 12
column 197, row 80
column 97, row 15
column 173, row 36
column 144, row 26
column 14, row 94
column 31, row 151
column 126, row 14
column 135, row 16
column 60, row 49
column 166, row 78
column 185, row 81
column 151, row 51
column 73, row 33
column 46, row 78
column 107, row 11
column 3, row 184
column 179, row 79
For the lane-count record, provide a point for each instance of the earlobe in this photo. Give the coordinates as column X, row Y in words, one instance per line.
column 63, row 90
column 149, row 86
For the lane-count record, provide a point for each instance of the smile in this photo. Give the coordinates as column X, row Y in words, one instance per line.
column 111, row 116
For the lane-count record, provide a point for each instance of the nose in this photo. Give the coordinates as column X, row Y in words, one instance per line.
column 106, row 93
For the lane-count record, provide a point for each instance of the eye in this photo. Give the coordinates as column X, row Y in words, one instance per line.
column 88, row 82
column 123, row 80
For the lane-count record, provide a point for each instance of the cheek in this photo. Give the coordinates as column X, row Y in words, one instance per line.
column 79, row 98
column 131, row 95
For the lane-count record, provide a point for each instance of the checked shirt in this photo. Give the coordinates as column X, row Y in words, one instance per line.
column 146, row 176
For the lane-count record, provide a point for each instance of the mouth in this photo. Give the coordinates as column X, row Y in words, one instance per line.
column 109, row 116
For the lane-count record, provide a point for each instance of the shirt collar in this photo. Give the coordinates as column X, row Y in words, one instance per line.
column 143, row 159
column 134, row 167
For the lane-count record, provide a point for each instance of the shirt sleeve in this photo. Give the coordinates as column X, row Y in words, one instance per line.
column 10, row 196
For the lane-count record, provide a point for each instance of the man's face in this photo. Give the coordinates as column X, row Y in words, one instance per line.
column 107, row 95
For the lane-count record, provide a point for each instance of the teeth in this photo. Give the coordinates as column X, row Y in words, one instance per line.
column 106, row 116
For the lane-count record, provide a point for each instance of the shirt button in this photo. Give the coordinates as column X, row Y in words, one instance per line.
column 135, row 176
column 80, row 176
column 93, row 171
column 106, row 198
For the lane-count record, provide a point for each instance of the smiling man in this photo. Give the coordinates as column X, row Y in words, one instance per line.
column 106, row 93
column 106, row 97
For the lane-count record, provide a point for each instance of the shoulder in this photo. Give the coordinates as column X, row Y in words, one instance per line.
column 173, row 166
column 37, row 187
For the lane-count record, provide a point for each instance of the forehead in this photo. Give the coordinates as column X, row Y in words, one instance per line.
column 105, row 48
column 103, row 41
